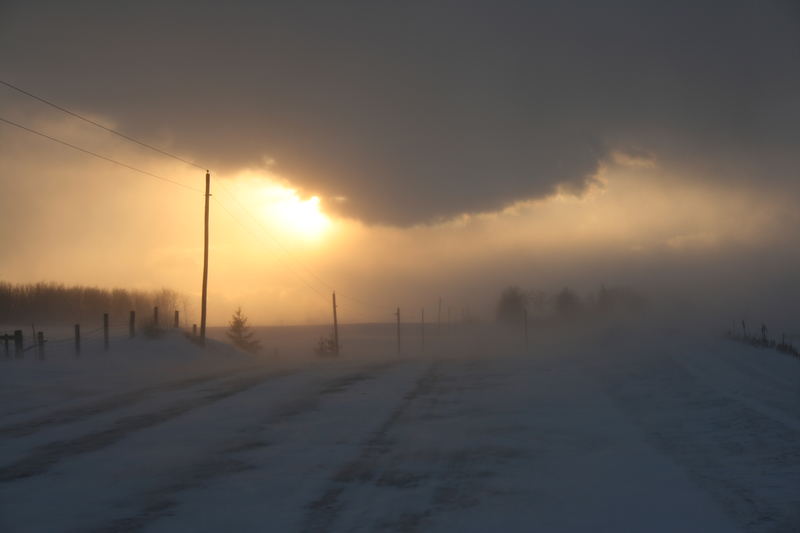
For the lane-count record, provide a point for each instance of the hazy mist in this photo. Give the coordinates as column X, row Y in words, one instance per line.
column 453, row 150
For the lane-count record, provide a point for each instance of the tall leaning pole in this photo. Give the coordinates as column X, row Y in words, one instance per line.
column 205, row 266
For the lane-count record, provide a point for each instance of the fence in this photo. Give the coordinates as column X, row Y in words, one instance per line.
column 763, row 340
column 39, row 341
column 76, row 340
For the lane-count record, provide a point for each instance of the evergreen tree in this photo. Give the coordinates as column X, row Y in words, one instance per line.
column 239, row 333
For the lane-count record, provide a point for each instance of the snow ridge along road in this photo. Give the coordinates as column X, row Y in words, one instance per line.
column 224, row 461
column 745, row 454
column 114, row 402
column 42, row 458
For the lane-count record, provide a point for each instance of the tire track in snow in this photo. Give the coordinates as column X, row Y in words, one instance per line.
column 160, row 502
column 748, row 460
column 323, row 512
column 774, row 398
column 117, row 401
column 440, row 479
column 42, row 458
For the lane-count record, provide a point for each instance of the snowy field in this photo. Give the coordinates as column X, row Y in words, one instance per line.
column 655, row 431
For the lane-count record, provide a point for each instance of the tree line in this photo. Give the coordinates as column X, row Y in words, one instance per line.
column 56, row 303
column 565, row 304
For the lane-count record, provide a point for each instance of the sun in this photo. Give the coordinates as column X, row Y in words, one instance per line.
column 302, row 216
column 280, row 208
column 292, row 214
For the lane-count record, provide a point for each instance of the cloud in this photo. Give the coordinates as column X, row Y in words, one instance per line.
column 418, row 112
column 698, row 240
column 634, row 158
column 77, row 219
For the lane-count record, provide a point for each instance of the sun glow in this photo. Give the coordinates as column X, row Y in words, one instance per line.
column 280, row 208
column 302, row 216
column 285, row 209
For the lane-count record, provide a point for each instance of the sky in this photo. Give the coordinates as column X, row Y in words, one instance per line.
column 399, row 152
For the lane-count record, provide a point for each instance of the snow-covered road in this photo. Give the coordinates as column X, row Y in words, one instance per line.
column 594, row 434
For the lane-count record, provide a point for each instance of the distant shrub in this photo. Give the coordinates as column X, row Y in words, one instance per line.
column 325, row 346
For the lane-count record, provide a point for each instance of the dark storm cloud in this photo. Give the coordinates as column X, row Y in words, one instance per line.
column 421, row 110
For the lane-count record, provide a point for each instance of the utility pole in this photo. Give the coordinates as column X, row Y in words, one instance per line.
column 525, row 312
column 205, row 266
column 105, row 331
column 77, row 341
column 398, row 330
column 335, row 327
column 439, row 318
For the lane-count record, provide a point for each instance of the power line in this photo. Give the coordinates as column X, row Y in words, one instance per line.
column 85, row 151
column 168, row 154
column 286, row 250
column 94, row 154
column 93, row 123
column 270, row 235
column 362, row 303
column 293, row 270
column 238, row 221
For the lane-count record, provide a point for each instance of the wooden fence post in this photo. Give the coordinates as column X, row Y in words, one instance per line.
column 77, row 340
column 132, row 325
column 439, row 318
column 398, row 331
column 18, row 350
column 40, row 339
column 422, row 328
column 177, row 319
column 525, row 313
column 194, row 330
